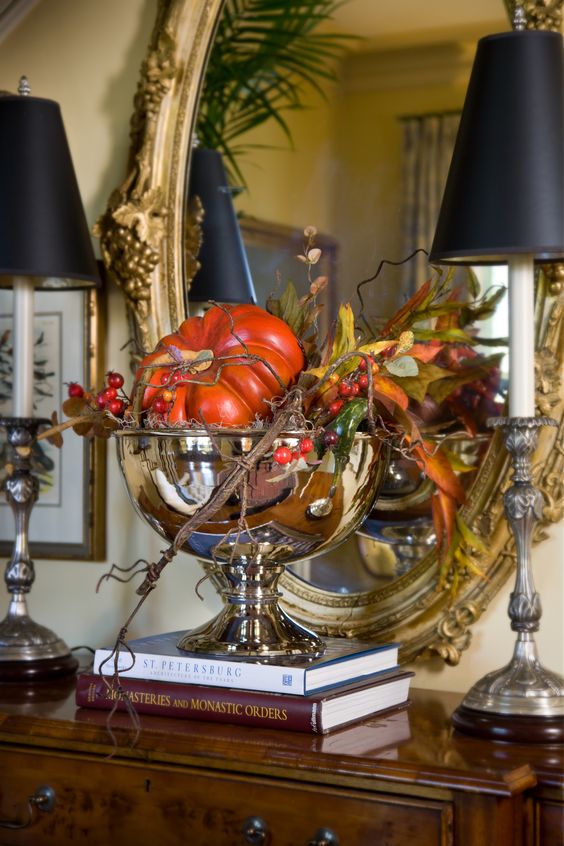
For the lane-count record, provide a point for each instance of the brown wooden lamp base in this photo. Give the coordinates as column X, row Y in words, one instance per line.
column 41, row 669
column 509, row 728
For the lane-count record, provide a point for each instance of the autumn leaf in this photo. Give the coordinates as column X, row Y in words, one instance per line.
column 435, row 464
column 375, row 348
column 418, row 387
column 405, row 342
column 75, row 406
column 345, row 340
column 404, row 367
column 439, row 391
column 466, row 561
column 389, row 390
column 468, row 536
column 83, row 427
column 457, row 336
column 55, row 437
column 405, row 314
column 426, row 352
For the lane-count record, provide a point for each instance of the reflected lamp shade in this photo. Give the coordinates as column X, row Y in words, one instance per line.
column 43, row 230
column 224, row 273
column 504, row 194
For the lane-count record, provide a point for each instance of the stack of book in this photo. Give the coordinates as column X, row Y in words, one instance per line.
column 352, row 681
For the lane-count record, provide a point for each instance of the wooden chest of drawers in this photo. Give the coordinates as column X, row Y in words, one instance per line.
column 405, row 778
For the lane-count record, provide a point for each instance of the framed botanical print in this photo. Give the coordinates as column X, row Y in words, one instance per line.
column 68, row 519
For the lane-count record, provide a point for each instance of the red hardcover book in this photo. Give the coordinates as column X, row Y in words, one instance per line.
column 317, row 712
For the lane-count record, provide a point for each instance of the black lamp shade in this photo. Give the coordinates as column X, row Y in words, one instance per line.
column 505, row 189
column 43, row 229
column 224, row 273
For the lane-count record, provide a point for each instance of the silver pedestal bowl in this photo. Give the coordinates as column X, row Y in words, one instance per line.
column 285, row 514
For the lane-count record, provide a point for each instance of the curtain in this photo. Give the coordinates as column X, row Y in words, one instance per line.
column 427, row 145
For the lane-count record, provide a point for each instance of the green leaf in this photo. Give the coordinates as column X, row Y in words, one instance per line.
column 441, row 390
column 345, row 340
column 456, row 335
column 403, row 366
column 417, row 388
column 468, row 536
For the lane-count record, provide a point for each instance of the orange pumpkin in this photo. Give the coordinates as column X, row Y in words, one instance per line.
column 222, row 393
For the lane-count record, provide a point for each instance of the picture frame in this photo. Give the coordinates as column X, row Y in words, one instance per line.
column 68, row 519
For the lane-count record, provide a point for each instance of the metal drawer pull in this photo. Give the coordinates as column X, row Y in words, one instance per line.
column 324, row 837
column 255, row 830
column 43, row 799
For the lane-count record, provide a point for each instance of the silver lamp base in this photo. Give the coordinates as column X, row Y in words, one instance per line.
column 522, row 702
column 28, row 651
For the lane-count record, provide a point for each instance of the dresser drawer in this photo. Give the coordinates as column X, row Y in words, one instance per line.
column 132, row 804
column 550, row 824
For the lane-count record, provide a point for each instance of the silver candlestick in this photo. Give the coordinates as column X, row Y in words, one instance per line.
column 28, row 651
column 523, row 701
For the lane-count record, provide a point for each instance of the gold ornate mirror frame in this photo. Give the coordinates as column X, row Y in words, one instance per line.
column 144, row 243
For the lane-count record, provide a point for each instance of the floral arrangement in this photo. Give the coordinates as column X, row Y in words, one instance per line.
column 243, row 366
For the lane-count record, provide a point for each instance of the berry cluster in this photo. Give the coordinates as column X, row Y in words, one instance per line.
column 111, row 398
column 162, row 402
column 284, row 455
column 341, row 389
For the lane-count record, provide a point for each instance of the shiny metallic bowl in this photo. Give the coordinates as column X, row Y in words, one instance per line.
column 287, row 513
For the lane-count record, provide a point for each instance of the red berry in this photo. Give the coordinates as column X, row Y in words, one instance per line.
column 165, row 379
column 115, row 380
column 101, row 400
column 282, row 455
column 75, row 390
column 330, row 438
column 355, row 389
column 335, row 407
column 110, row 394
column 116, row 407
column 295, row 455
column 363, row 381
column 160, row 406
column 362, row 364
column 345, row 389
column 176, row 376
column 306, row 446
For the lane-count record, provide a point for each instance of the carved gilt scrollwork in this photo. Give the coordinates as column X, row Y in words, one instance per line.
column 453, row 633
column 142, row 233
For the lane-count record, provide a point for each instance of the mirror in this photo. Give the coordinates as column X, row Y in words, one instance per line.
column 146, row 236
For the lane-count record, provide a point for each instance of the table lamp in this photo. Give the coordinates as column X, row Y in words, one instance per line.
column 224, row 274
column 504, row 204
column 44, row 243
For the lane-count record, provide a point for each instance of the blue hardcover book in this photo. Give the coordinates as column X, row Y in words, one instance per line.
column 158, row 657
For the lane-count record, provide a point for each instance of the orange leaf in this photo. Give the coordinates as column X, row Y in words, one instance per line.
column 448, row 510
column 436, row 466
column 438, row 522
column 426, row 352
column 411, row 305
column 390, row 391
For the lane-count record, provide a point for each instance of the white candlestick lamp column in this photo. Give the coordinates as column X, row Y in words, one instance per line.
column 521, row 294
column 22, row 346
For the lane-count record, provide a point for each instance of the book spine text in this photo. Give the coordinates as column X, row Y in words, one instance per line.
column 192, row 702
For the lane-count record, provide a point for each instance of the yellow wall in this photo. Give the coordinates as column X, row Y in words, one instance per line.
column 86, row 55
column 344, row 171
